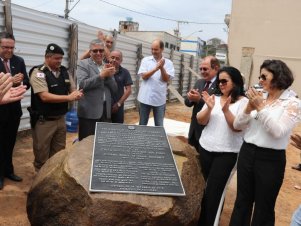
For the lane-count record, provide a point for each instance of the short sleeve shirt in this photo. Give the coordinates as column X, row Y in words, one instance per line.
column 122, row 78
column 153, row 90
column 39, row 84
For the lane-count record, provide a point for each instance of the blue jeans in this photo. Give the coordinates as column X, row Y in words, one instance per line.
column 296, row 220
column 158, row 111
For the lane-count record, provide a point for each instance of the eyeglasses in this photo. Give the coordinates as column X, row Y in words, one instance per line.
column 262, row 77
column 8, row 47
column 204, row 69
column 222, row 81
column 97, row 50
column 109, row 42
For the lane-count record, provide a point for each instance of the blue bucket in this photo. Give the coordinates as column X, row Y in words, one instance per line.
column 72, row 121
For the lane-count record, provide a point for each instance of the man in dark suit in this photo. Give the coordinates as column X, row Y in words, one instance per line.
column 10, row 113
column 209, row 67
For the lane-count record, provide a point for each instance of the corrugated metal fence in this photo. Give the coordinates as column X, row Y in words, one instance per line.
column 34, row 30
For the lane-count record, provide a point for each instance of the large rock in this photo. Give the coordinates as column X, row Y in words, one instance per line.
column 60, row 194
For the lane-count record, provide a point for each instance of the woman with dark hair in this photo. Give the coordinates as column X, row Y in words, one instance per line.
column 261, row 162
column 219, row 142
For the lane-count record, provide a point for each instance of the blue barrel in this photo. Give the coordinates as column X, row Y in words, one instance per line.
column 72, row 121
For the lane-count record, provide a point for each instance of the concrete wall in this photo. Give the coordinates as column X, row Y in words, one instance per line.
column 272, row 28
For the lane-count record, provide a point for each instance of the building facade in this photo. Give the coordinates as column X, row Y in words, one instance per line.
column 193, row 46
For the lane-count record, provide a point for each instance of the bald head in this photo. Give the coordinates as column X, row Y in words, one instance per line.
column 157, row 48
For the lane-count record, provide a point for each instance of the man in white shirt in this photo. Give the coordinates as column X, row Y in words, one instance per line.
column 155, row 71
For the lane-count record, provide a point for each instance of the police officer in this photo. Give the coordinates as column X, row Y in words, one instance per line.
column 52, row 89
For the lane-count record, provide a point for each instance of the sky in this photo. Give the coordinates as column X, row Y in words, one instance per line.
column 197, row 17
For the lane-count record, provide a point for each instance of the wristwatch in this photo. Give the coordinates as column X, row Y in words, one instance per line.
column 118, row 104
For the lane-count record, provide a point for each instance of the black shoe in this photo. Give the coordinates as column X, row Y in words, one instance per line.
column 1, row 183
column 14, row 177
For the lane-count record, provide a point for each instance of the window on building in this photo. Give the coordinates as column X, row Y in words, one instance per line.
column 166, row 44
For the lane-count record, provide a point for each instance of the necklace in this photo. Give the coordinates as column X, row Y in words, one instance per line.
column 271, row 101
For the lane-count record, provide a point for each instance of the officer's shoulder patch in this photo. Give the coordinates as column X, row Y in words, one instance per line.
column 40, row 75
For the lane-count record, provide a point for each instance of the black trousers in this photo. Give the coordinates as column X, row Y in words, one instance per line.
column 216, row 168
column 8, row 134
column 118, row 117
column 260, row 173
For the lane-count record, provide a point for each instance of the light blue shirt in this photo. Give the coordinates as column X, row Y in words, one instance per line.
column 153, row 90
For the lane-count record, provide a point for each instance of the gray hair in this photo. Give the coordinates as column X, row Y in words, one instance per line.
column 96, row 42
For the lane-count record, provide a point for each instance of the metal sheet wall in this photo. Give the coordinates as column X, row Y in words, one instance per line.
column 2, row 19
column 34, row 30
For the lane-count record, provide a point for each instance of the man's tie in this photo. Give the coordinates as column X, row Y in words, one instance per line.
column 206, row 85
column 6, row 66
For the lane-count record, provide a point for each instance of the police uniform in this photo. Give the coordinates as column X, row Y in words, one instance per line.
column 49, row 131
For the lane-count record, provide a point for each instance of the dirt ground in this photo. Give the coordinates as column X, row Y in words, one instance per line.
column 13, row 196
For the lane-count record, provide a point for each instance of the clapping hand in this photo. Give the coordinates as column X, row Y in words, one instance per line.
column 256, row 100
column 209, row 100
column 160, row 64
column 13, row 94
column 18, row 78
column 194, row 96
column 5, row 83
column 107, row 71
column 225, row 107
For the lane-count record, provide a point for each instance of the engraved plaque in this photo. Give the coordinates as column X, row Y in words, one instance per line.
column 133, row 159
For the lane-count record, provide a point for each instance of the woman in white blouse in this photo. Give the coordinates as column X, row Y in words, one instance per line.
column 261, row 163
column 219, row 142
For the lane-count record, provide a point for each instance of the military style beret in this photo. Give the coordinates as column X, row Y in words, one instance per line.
column 54, row 48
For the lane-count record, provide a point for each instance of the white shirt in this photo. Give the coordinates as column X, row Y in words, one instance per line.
column 153, row 90
column 217, row 136
column 272, row 126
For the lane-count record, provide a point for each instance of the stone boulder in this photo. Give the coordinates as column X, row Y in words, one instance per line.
column 60, row 194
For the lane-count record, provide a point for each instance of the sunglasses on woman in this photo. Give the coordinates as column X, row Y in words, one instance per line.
column 222, row 81
column 262, row 77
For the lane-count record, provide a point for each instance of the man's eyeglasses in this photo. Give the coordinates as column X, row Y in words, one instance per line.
column 7, row 47
column 97, row 50
column 262, row 77
column 222, row 81
column 204, row 69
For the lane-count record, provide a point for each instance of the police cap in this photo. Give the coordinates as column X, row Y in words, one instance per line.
column 54, row 48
